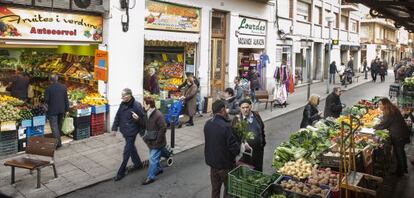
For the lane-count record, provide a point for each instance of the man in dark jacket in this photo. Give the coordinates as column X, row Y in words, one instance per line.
column 127, row 120
column 374, row 69
column 19, row 85
column 333, row 105
column 332, row 71
column 221, row 148
column 56, row 98
column 255, row 125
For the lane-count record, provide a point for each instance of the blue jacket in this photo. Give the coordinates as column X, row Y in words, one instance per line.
column 124, row 120
column 56, row 98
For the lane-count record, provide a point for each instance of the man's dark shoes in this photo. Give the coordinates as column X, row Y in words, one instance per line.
column 189, row 124
column 159, row 172
column 118, row 177
column 135, row 168
column 148, row 181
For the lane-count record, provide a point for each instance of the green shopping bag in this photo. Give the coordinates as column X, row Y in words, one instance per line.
column 67, row 126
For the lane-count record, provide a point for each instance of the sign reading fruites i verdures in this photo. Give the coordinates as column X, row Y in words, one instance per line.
column 30, row 24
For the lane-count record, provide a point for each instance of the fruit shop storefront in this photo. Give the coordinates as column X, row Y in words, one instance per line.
column 35, row 44
column 170, row 49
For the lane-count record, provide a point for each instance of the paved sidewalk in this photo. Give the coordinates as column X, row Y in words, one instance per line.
column 96, row 159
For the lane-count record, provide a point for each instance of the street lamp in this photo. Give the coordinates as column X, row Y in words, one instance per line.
column 329, row 18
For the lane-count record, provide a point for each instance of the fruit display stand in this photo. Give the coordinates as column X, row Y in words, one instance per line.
column 350, row 179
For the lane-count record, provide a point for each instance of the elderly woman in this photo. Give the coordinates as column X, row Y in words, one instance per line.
column 154, row 123
column 399, row 132
column 311, row 112
column 190, row 100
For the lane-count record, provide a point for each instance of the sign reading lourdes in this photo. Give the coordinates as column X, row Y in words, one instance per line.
column 252, row 33
column 252, row 26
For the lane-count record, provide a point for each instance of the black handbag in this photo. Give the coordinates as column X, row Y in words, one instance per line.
column 150, row 135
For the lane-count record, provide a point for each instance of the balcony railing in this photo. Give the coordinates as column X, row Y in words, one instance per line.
column 349, row 6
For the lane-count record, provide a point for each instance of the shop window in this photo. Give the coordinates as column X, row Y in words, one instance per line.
column 344, row 22
column 303, row 11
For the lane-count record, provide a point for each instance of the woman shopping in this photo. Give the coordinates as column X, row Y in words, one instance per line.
column 399, row 132
column 154, row 137
column 311, row 112
column 190, row 100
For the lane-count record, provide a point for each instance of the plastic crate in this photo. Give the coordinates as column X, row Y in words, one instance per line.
column 81, row 112
column 35, row 131
column 39, row 120
column 26, row 123
column 97, row 119
column 99, row 109
column 278, row 190
column 82, row 133
column 8, row 147
column 81, row 122
column 237, row 186
column 8, row 135
column 97, row 129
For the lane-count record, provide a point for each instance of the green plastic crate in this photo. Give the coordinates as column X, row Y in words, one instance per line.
column 239, row 187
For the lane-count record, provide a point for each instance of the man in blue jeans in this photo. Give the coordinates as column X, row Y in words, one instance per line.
column 127, row 120
column 332, row 71
column 56, row 98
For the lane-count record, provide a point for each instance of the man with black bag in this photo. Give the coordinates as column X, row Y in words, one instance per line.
column 127, row 120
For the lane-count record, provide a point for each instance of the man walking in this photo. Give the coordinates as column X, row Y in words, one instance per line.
column 351, row 63
column 221, row 148
column 127, row 119
column 332, row 71
column 56, row 98
column 333, row 105
column 255, row 125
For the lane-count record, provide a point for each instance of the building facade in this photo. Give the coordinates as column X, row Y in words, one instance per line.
column 303, row 35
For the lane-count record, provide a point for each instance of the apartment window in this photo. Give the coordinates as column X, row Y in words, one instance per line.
column 336, row 22
column 354, row 26
column 303, row 11
column 326, row 21
column 290, row 8
column 318, row 15
column 344, row 22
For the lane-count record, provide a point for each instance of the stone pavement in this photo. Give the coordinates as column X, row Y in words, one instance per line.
column 86, row 162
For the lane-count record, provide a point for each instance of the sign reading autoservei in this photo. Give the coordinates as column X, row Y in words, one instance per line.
column 31, row 24
column 250, row 41
column 166, row 16
column 252, row 26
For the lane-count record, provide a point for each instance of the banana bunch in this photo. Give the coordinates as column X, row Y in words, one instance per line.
column 94, row 99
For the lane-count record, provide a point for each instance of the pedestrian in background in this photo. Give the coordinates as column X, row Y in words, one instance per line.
column 382, row 70
column 127, row 120
column 220, row 149
column 399, row 132
column 190, row 100
column 374, row 70
column 254, row 84
column 154, row 123
column 255, row 125
column 332, row 71
column 311, row 112
column 56, row 98
column 333, row 105
column 19, row 85
column 365, row 65
column 341, row 70
column 351, row 63
column 232, row 105
column 238, row 89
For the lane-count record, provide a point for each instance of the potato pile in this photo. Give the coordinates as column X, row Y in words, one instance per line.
column 324, row 177
column 304, row 189
column 299, row 169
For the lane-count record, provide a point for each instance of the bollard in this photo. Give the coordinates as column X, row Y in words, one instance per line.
column 172, row 125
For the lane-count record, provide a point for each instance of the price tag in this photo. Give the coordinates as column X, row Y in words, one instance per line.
column 180, row 58
column 164, row 57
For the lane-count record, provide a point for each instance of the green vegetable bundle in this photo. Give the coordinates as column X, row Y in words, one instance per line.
column 241, row 130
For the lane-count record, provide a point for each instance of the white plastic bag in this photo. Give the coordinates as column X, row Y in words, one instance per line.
column 67, row 126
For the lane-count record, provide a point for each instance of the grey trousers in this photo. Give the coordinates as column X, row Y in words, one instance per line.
column 56, row 122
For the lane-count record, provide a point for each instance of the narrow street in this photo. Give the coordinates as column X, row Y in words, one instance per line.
column 189, row 176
